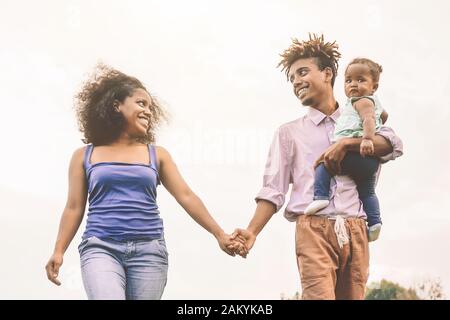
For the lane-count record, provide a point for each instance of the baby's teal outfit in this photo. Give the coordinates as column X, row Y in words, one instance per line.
column 349, row 124
column 361, row 169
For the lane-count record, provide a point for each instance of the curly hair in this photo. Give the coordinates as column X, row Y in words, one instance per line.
column 374, row 68
column 326, row 54
column 95, row 106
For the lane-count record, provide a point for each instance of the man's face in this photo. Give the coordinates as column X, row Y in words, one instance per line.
column 309, row 83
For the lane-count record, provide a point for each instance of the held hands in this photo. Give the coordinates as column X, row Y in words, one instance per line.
column 239, row 242
column 366, row 148
column 229, row 245
column 244, row 241
column 52, row 268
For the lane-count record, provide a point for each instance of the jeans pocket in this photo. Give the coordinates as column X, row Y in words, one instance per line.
column 161, row 243
column 84, row 243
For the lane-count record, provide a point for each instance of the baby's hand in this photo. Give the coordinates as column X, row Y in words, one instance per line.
column 366, row 148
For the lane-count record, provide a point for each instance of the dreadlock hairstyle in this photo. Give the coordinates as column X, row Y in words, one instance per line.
column 325, row 54
column 375, row 68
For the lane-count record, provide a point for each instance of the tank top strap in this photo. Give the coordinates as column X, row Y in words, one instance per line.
column 154, row 160
column 87, row 156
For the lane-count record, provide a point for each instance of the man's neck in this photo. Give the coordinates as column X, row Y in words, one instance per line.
column 326, row 106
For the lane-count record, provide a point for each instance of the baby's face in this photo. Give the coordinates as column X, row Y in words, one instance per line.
column 358, row 81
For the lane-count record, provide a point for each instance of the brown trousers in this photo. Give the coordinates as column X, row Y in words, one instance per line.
column 327, row 271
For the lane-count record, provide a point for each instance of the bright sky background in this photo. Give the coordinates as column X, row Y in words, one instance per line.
column 213, row 64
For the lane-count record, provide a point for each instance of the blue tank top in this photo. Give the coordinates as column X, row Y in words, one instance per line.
column 122, row 199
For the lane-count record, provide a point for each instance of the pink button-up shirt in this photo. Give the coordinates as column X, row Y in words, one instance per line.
column 295, row 148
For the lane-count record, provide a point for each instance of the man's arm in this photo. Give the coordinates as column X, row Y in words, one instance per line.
column 264, row 211
column 271, row 197
column 336, row 152
column 381, row 146
column 394, row 140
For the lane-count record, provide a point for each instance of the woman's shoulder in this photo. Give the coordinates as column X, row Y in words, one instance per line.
column 78, row 155
column 160, row 149
column 79, row 152
column 161, row 153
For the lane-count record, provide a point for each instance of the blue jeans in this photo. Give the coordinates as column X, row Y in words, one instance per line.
column 119, row 270
column 362, row 171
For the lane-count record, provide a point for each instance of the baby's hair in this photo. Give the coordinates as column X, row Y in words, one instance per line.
column 326, row 54
column 375, row 68
column 95, row 106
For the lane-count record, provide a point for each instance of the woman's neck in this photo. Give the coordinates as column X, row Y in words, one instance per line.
column 125, row 140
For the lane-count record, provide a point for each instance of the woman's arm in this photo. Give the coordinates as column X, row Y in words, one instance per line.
column 72, row 214
column 191, row 203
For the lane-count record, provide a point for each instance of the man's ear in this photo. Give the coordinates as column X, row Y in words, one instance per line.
column 328, row 74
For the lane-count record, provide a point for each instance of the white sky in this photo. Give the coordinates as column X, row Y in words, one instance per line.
column 213, row 65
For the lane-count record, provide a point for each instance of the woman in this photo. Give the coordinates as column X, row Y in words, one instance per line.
column 122, row 252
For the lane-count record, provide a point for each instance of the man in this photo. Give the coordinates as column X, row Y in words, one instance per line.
column 332, row 245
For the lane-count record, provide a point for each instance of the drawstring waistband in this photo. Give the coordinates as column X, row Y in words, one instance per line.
column 341, row 231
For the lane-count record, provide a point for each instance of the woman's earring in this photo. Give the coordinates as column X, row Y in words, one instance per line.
column 116, row 107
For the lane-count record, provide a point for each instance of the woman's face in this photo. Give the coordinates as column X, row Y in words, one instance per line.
column 136, row 112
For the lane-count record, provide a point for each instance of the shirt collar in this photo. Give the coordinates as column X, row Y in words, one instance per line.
column 316, row 116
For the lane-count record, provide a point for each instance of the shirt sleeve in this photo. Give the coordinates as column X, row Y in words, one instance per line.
column 395, row 141
column 277, row 173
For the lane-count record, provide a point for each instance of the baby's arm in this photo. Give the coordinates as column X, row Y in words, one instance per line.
column 384, row 116
column 366, row 111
